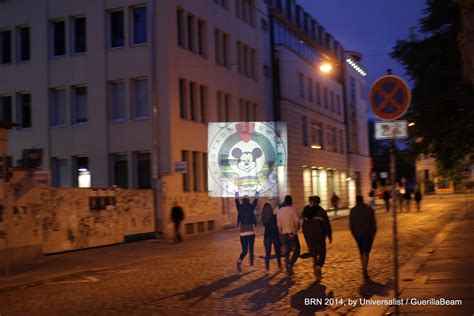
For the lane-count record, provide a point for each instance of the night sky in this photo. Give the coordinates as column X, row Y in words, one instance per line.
column 370, row 27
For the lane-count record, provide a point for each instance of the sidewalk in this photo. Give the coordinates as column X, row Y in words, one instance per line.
column 440, row 270
column 77, row 263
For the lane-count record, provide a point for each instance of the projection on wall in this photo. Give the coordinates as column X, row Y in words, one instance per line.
column 246, row 157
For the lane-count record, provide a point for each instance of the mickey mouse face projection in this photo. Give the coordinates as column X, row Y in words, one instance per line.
column 247, row 160
column 245, row 157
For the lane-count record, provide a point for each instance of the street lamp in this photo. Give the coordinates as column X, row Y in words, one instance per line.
column 411, row 124
column 325, row 67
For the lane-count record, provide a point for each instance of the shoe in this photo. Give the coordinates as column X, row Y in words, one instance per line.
column 289, row 269
column 239, row 263
column 317, row 273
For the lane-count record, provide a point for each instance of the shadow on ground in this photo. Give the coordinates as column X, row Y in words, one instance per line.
column 265, row 292
column 371, row 288
column 315, row 291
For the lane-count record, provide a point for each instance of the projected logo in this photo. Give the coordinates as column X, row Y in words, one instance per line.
column 245, row 157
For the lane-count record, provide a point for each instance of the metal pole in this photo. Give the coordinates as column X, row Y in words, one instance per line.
column 5, row 214
column 394, row 213
column 157, row 177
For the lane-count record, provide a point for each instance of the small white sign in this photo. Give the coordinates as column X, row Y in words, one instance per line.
column 181, row 167
column 384, row 175
column 391, row 130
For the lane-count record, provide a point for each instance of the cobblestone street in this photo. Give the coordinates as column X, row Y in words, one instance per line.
column 204, row 279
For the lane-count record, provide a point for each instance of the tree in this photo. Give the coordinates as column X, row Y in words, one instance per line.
column 442, row 103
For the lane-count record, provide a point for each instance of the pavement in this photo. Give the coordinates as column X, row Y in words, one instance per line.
column 56, row 267
column 199, row 276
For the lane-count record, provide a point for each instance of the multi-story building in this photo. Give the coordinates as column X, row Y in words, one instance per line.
column 326, row 154
column 119, row 92
column 84, row 80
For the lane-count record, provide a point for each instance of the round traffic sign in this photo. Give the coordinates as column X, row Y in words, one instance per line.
column 390, row 97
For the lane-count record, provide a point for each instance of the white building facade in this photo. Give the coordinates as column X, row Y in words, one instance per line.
column 87, row 95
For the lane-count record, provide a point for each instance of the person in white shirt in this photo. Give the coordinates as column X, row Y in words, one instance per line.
column 288, row 224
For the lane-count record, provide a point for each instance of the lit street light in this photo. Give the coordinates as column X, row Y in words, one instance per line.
column 325, row 67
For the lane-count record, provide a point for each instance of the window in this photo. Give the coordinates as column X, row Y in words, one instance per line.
column 196, row 170
column 186, row 176
column 5, row 47
column 82, row 172
column 246, row 60
column 223, row 106
column 116, row 28
column 180, row 27
column 116, row 101
column 191, row 34
column 183, row 103
column 325, row 97
column 204, row 170
column 139, row 25
column 143, row 170
column 24, row 110
column 317, row 135
column 332, row 100
column 318, row 93
column 120, row 170
column 203, row 103
column 341, row 141
column 6, row 108
column 23, row 43
column 193, row 100
column 310, row 90
column 59, row 38
column 79, row 104
column 352, row 92
column 201, row 40
column 301, row 84
column 304, row 125
column 254, row 112
column 61, row 172
column 239, row 57
column 58, row 107
column 331, row 139
column 338, row 104
column 245, row 11
column 141, row 107
column 221, row 44
column 222, row 3
column 253, row 64
column 80, row 35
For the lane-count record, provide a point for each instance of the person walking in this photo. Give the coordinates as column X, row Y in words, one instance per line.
column 407, row 199
column 418, row 198
column 386, row 199
column 400, row 196
column 372, row 197
column 316, row 227
column 177, row 216
column 335, row 202
column 363, row 228
column 288, row 224
column 271, row 235
column 247, row 221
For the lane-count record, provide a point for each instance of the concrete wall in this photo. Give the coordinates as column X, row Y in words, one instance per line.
column 58, row 219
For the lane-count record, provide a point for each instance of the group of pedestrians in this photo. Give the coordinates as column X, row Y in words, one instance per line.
column 281, row 231
column 403, row 197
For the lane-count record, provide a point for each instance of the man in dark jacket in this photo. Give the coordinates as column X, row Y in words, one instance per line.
column 177, row 216
column 316, row 227
column 363, row 228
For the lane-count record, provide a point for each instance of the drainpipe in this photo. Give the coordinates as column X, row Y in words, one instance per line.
column 276, row 84
column 346, row 123
column 157, row 177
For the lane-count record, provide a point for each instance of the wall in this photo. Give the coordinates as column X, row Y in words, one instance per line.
column 61, row 219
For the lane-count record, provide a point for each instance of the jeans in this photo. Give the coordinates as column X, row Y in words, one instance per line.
column 267, row 242
column 247, row 244
column 290, row 242
column 318, row 251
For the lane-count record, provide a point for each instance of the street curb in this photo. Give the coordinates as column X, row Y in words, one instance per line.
column 408, row 271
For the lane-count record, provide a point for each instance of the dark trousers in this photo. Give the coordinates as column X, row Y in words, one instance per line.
column 267, row 242
column 387, row 205
column 290, row 243
column 177, row 235
column 247, row 243
column 318, row 251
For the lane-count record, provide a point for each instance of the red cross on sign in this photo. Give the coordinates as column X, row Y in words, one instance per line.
column 390, row 97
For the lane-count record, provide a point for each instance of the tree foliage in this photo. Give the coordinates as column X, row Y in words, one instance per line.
column 442, row 103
